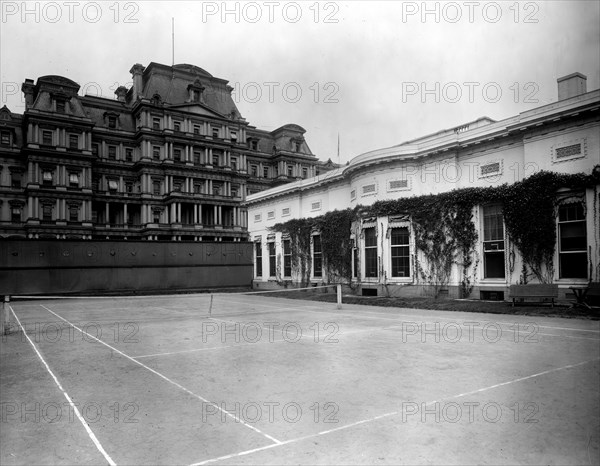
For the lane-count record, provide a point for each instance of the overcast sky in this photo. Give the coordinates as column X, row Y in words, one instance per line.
column 377, row 73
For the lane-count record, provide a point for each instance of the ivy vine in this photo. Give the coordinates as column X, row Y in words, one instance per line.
column 444, row 231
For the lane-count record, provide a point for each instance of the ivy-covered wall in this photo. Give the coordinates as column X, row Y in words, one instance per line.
column 445, row 234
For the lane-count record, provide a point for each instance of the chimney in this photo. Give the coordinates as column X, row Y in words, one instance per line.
column 136, row 73
column 28, row 88
column 571, row 85
column 121, row 92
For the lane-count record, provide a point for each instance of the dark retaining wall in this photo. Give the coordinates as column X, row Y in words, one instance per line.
column 58, row 267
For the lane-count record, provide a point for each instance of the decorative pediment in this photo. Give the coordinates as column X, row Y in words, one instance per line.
column 197, row 109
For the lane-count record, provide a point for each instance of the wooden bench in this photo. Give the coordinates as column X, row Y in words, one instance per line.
column 538, row 291
column 587, row 296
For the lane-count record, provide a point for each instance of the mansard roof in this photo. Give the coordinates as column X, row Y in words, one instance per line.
column 171, row 83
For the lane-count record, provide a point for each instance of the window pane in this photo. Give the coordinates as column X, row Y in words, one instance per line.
column 258, row 247
column 573, row 236
column 370, row 238
column 492, row 223
column 494, row 264
column 571, row 212
column 371, row 262
column 272, row 262
column 399, row 236
column 573, row 265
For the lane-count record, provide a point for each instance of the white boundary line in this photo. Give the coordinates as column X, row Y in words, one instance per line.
column 393, row 413
column 227, row 413
column 66, row 395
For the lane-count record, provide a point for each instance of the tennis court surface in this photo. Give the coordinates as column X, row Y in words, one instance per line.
column 260, row 379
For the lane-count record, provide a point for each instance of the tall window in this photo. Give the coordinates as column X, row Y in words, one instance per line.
column 287, row 258
column 400, row 252
column 156, row 152
column 572, row 241
column 258, row 249
column 15, row 214
column 129, row 155
column 370, row 252
column 155, row 123
column 73, row 141
column 112, row 152
column 15, row 180
column 73, row 213
column 272, row 260
column 47, row 212
column 47, row 138
column 47, row 177
column 197, row 157
column 317, row 257
column 493, row 242
column 74, row 180
column 354, row 259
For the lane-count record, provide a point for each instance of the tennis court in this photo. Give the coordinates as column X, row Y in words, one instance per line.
column 260, row 379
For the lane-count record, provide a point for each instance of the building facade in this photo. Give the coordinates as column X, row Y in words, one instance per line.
column 170, row 158
column 562, row 137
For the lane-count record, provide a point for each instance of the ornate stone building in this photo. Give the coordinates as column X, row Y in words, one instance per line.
column 171, row 158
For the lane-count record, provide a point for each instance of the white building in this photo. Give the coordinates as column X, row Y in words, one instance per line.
column 562, row 137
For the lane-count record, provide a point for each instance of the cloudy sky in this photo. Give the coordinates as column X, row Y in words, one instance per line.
column 376, row 73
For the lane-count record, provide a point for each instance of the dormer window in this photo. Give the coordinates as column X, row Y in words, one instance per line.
column 195, row 91
column 177, row 126
column 61, row 106
column 111, row 119
column 215, row 133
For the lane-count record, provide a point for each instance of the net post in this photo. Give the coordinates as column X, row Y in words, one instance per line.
column 5, row 315
column 339, row 296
